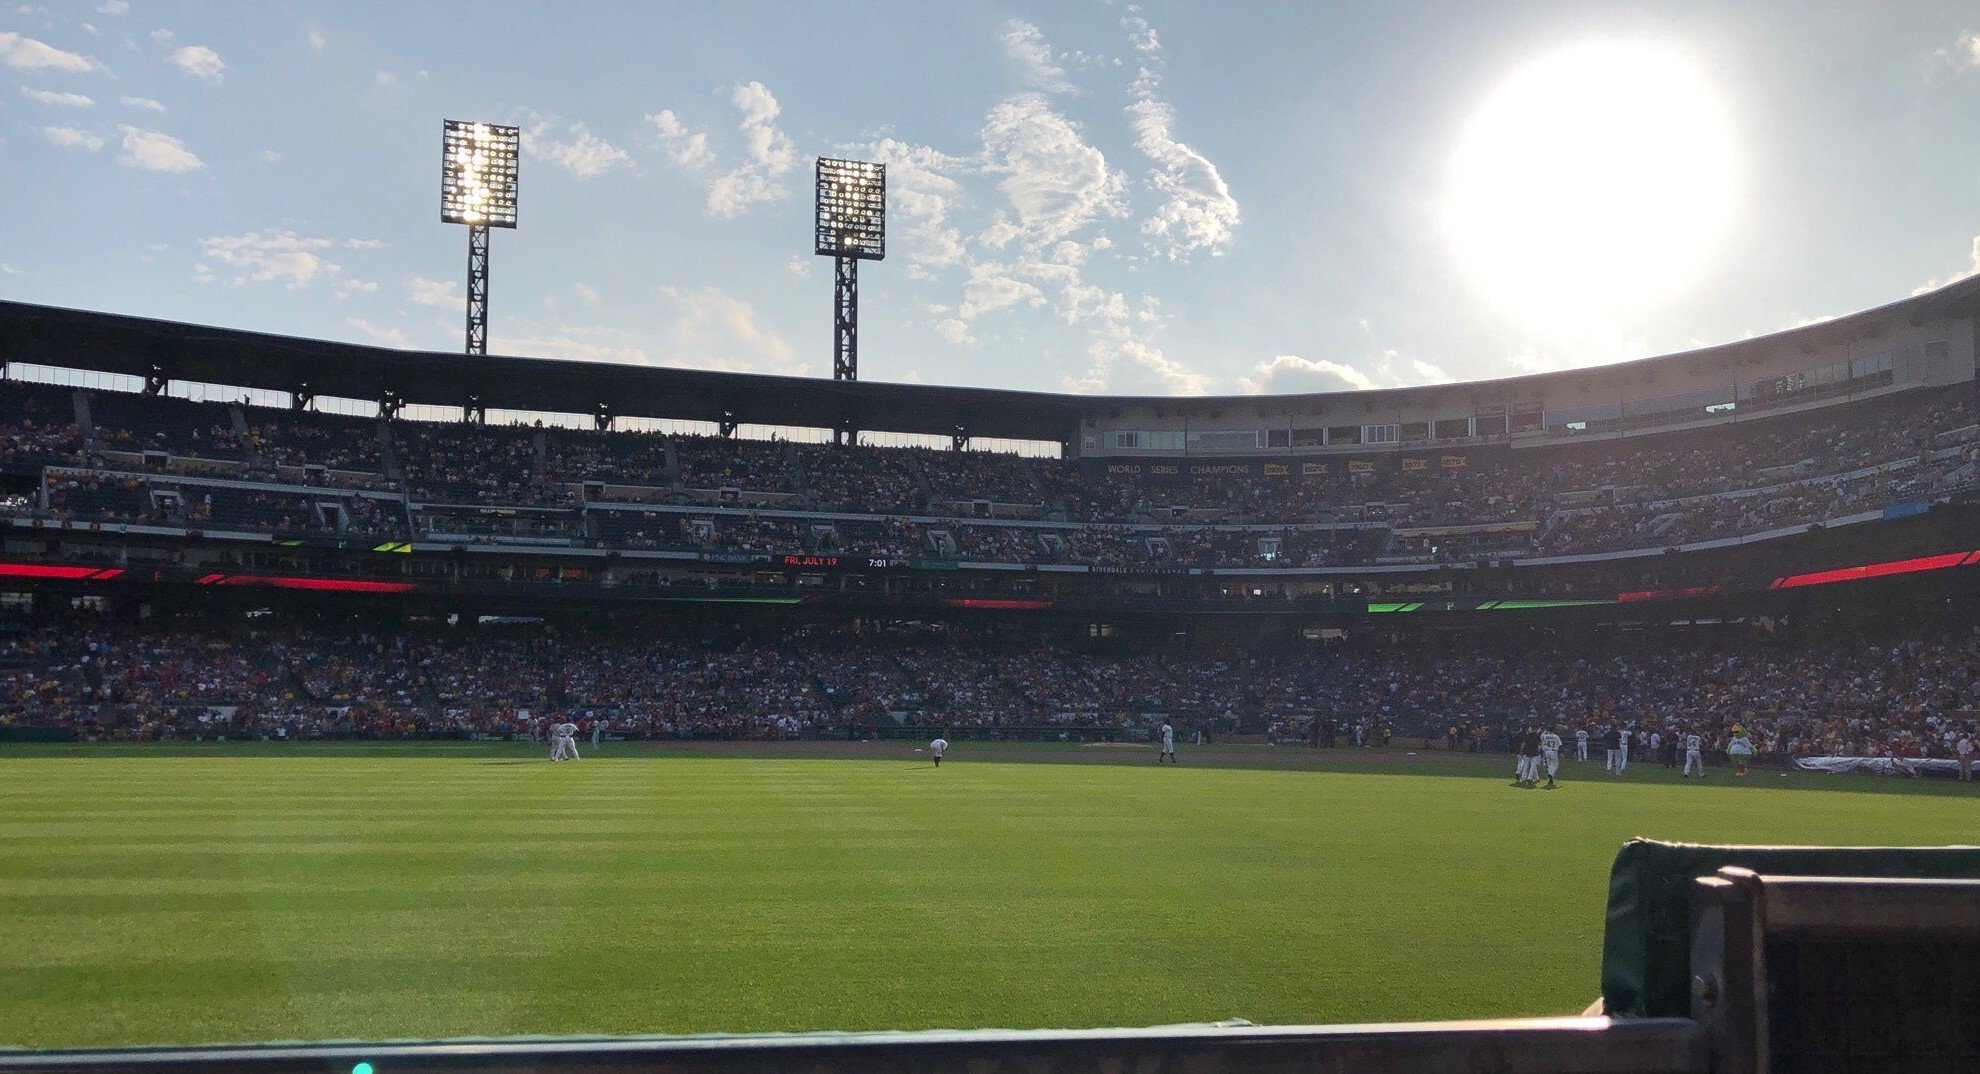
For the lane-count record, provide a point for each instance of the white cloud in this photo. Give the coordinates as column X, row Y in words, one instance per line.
column 200, row 62
column 284, row 257
column 711, row 330
column 570, row 347
column 385, row 80
column 1000, row 234
column 1972, row 269
column 1029, row 53
column 1964, row 53
column 8, row 270
column 1147, row 367
column 573, row 148
column 955, row 332
column 113, row 7
column 991, row 287
column 436, row 293
column 731, row 195
column 391, row 337
column 586, row 293
column 145, row 103
column 1429, row 373
column 162, row 36
column 316, row 41
column 1141, row 35
column 1121, row 352
column 717, row 330
column 1059, row 194
column 799, row 266
column 155, row 151
column 271, row 257
column 1291, row 374
column 922, row 189
column 1055, row 181
column 271, row 157
column 71, row 138
column 688, row 148
column 1199, row 214
column 60, row 100
column 764, row 145
column 27, row 54
column 767, row 155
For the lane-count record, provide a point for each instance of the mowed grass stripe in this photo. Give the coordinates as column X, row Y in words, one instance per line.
column 160, row 898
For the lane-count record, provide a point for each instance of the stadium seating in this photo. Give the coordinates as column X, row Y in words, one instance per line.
column 1795, row 697
column 773, row 497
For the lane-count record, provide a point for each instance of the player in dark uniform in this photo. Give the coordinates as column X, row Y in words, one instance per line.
column 1529, row 757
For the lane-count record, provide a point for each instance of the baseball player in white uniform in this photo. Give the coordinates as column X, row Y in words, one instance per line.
column 597, row 730
column 1168, row 745
column 1622, row 751
column 1550, row 752
column 1581, row 744
column 1694, row 754
column 1964, row 748
column 563, row 738
column 938, row 748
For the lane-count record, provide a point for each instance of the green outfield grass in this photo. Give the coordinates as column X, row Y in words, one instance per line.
column 153, row 895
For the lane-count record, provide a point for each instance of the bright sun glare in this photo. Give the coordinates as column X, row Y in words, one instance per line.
column 1591, row 182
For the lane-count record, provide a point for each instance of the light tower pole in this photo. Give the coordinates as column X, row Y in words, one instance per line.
column 478, row 166
column 851, row 227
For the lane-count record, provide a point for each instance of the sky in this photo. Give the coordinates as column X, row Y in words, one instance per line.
column 1087, row 196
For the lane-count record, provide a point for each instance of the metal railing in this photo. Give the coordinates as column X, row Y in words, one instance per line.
column 1541, row 1046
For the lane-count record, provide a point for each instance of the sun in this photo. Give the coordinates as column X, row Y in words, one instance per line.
column 1592, row 182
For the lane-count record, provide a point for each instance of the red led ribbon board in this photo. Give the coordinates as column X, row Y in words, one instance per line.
column 49, row 570
column 321, row 585
column 1875, row 570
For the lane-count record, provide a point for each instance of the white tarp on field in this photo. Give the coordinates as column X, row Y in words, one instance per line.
column 1882, row 766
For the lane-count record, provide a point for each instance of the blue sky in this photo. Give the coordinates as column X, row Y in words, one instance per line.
column 1092, row 196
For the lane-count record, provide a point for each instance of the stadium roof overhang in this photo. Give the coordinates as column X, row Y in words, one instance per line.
column 136, row 346
column 112, row 343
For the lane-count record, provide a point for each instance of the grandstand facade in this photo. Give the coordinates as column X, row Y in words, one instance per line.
column 1760, row 466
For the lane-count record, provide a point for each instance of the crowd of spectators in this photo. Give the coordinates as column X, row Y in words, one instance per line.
column 36, row 429
column 714, row 462
column 302, row 439
column 1579, row 498
column 125, row 422
column 1875, row 697
column 882, row 480
column 469, row 464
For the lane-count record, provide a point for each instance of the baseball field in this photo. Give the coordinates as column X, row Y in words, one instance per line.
column 253, row 893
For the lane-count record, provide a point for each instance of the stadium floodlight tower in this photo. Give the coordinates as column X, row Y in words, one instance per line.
column 478, row 188
column 852, row 227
